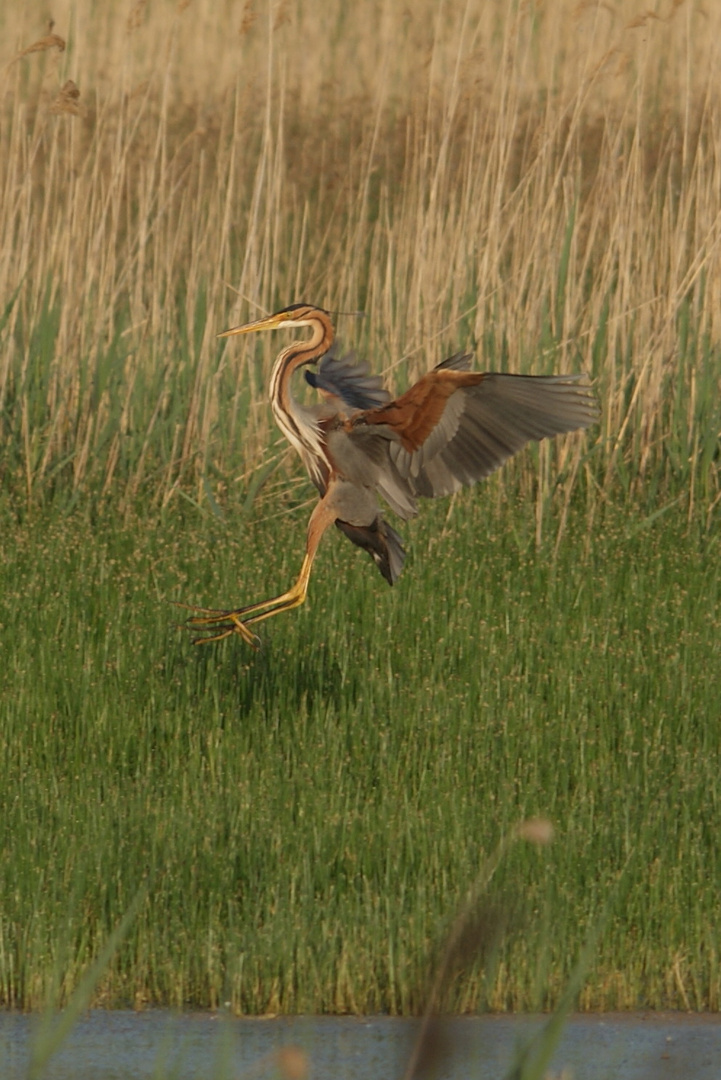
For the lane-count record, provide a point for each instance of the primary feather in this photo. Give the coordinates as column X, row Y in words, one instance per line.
column 349, row 379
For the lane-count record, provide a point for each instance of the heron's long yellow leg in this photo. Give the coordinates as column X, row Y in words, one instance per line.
column 238, row 620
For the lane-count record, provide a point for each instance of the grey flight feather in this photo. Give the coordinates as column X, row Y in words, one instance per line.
column 348, row 379
column 460, row 361
column 484, row 425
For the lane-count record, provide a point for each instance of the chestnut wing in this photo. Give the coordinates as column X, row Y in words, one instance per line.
column 455, row 426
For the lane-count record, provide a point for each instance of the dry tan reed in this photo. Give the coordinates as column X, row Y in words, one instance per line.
column 542, row 180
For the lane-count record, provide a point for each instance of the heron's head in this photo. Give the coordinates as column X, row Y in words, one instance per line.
column 294, row 315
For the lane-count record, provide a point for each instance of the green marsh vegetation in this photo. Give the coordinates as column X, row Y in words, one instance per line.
column 539, row 184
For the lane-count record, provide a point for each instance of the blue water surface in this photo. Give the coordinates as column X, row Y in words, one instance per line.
column 156, row 1045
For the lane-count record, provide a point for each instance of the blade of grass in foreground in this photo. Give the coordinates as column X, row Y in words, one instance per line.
column 474, row 935
column 53, row 1031
column 534, row 1059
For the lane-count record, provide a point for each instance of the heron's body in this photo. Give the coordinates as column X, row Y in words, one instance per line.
column 450, row 429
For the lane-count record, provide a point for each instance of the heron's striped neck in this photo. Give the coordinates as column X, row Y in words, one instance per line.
column 297, row 423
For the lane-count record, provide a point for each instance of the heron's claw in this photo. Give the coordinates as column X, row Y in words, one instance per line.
column 222, row 631
column 219, row 625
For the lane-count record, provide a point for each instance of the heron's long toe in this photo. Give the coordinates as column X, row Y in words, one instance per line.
column 220, row 625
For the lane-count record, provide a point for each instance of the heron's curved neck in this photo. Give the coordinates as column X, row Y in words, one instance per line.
column 295, row 421
column 294, row 356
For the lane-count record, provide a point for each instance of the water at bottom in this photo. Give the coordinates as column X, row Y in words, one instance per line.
column 155, row 1045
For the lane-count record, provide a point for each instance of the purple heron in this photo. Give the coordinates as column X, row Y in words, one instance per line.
column 453, row 427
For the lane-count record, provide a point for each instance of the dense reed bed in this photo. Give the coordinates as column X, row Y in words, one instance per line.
column 539, row 182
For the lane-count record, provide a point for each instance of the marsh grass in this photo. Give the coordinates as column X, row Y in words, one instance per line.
column 309, row 815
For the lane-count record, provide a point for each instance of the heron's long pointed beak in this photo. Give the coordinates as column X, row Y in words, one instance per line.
column 269, row 322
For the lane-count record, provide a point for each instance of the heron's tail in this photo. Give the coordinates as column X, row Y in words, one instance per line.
column 382, row 543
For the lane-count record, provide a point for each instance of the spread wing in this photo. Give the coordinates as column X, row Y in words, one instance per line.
column 349, row 379
column 456, row 426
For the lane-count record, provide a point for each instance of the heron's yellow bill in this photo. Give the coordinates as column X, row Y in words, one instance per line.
column 294, row 315
column 269, row 322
